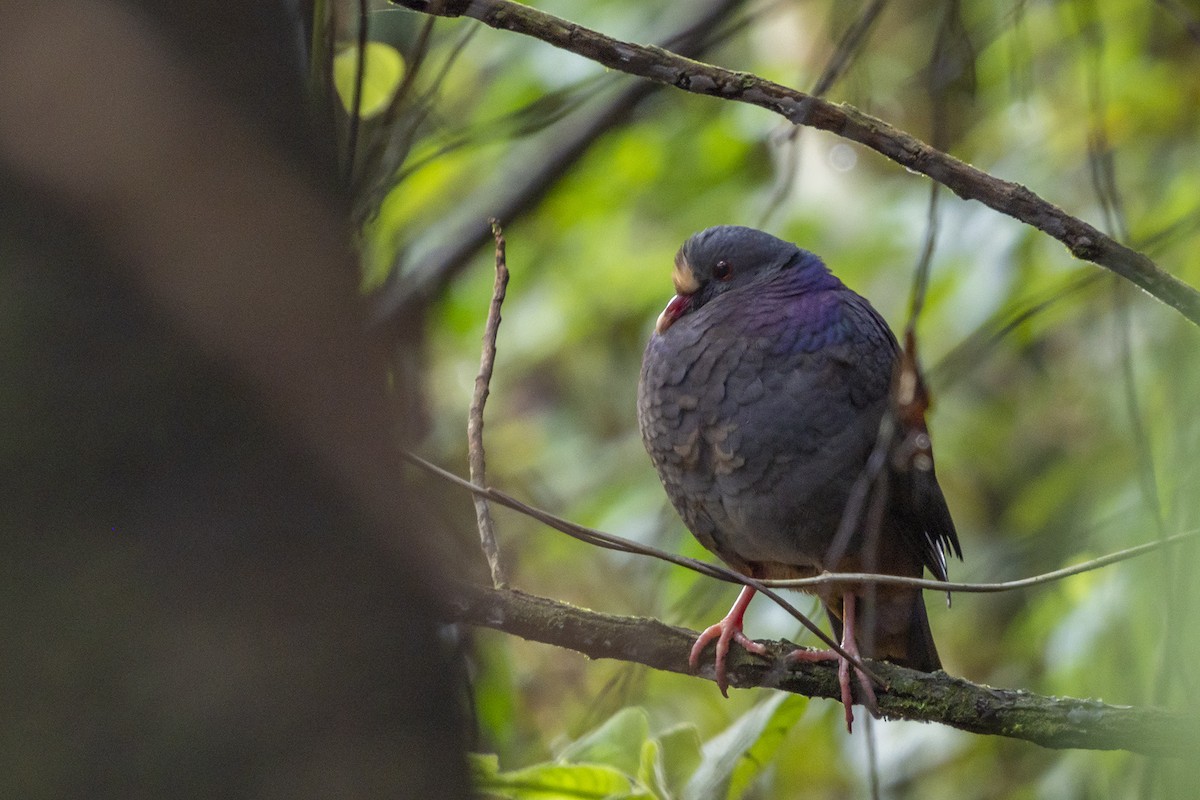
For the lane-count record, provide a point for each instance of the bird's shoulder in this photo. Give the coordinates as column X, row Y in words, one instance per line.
column 830, row 340
column 783, row 341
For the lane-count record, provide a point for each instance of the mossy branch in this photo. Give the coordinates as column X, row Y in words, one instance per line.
column 1054, row 722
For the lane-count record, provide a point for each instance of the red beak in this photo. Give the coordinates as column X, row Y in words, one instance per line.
column 675, row 309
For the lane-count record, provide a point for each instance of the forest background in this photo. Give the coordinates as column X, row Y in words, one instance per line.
column 1064, row 398
column 216, row 582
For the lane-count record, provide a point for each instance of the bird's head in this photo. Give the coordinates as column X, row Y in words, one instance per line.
column 724, row 258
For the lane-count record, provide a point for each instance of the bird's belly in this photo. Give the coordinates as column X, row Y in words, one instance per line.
column 764, row 530
column 763, row 503
column 757, row 458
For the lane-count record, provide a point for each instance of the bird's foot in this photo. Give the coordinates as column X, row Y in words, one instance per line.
column 850, row 646
column 844, row 667
column 727, row 630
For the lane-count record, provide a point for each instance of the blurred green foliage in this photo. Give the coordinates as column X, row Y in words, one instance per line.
column 382, row 71
column 1069, row 433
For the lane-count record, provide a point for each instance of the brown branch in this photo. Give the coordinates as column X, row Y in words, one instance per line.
column 662, row 66
column 905, row 694
column 1054, row 722
column 483, row 381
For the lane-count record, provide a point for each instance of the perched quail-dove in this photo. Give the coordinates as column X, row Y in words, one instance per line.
column 762, row 393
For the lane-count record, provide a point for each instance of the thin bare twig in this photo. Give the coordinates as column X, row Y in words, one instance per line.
column 864, row 486
column 483, row 382
column 985, row 588
column 611, row 542
column 1084, row 241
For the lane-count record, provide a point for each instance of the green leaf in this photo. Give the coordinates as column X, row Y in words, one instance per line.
column 549, row 781
column 650, row 772
column 763, row 751
column 617, row 743
column 383, row 69
column 735, row 757
column 484, row 765
column 681, row 756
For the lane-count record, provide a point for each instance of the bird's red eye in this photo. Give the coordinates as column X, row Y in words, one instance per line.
column 723, row 271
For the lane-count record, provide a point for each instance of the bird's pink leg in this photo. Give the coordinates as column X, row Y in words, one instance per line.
column 850, row 645
column 728, row 629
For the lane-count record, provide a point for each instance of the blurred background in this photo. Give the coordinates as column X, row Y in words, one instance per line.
column 1064, row 420
column 227, row 640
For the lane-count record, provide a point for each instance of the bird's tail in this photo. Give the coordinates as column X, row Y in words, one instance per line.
column 920, row 651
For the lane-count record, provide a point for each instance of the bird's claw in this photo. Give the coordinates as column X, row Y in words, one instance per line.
column 844, row 667
column 850, row 645
column 724, row 632
column 727, row 630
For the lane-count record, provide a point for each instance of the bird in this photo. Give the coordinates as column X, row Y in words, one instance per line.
column 761, row 398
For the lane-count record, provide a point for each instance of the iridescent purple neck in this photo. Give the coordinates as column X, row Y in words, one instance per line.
column 805, row 305
column 807, row 272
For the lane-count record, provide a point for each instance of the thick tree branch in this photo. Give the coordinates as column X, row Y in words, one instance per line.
column 1054, row 722
column 662, row 66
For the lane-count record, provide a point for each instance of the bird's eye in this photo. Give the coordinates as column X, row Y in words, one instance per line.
column 723, row 271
